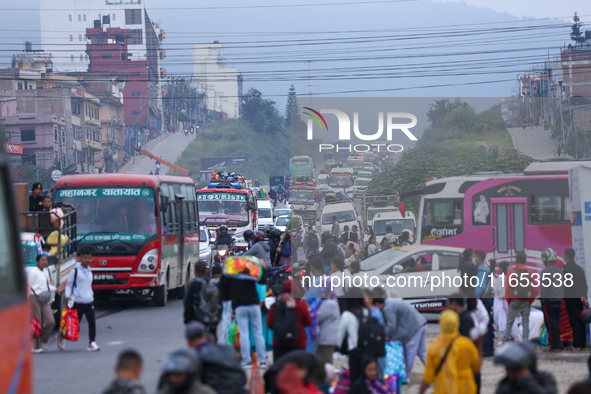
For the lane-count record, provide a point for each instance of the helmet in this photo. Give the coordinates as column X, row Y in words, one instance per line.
column 223, row 228
column 516, row 355
column 276, row 233
column 184, row 361
column 406, row 234
column 549, row 255
column 326, row 236
column 259, row 236
column 268, row 231
column 248, row 234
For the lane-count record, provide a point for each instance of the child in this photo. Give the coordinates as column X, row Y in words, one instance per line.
column 368, row 382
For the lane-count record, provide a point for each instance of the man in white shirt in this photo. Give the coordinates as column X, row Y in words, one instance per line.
column 79, row 291
column 41, row 294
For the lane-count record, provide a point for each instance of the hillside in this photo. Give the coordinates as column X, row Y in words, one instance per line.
column 269, row 155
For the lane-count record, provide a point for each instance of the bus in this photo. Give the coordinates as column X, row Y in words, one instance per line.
column 356, row 163
column 501, row 214
column 301, row 166
column 304, row 201
column 341, row 180
column 143, row 231
column 15, row 316
column 236, row 208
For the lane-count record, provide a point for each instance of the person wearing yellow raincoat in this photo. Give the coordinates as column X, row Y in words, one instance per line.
column 455, row 375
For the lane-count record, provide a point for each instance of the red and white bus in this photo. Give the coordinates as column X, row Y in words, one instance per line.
column 143, row 231
column 15, row 316
column 224, row 205
column 501, row 214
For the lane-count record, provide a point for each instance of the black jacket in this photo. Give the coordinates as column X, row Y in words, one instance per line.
column 226, row 239
column 466, row 323
column 535, row 383
column 244, row 292
column 192, row 301
column 579, row 287
column 35, row 203
column 329, row 251
column 221, row 369
column 273, row 252
column 224, row 285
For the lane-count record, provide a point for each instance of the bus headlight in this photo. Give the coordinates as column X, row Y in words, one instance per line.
column 149, row 262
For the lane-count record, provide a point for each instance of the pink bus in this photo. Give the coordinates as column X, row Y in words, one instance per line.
column 501, row 213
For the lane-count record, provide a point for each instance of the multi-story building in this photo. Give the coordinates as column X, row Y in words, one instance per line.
column 576, row 70
column 222, row 84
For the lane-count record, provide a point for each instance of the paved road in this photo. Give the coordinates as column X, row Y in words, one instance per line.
column 170, row 148
column 535, row 142
column 121, row 324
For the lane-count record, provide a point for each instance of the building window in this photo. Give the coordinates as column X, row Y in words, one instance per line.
column 136, row 37
column 79, row 17
column 86, row 57
column 84, row 17
column 134, row 74
column 135, row 113
column 71, row 37
column 99, row 18
column 133, row 17
column 72, row 58
column 113, row 17
column 136, row 93
column 107, row 56
column 79, row 37
column 28, row 135
column 70, row 17
column 75, row 108
column 20, row 86
column 81, row 58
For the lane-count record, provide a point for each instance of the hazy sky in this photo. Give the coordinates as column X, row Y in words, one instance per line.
column 397, row 48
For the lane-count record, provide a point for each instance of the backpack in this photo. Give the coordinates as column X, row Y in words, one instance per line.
column 372, row 337
column 210, row 303
column 521, row 291
column 313, row 243
column 285, row 324
column 343, row 383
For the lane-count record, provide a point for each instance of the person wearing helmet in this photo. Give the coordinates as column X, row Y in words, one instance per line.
column 248, row 235
column 260, row 248
column 523, row 377
column 551, row 298
column 223, row 238
column 329, row 249
column 274, row 241
column 181, row 373
column 404, row 238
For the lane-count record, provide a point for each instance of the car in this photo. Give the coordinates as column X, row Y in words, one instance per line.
column 413, row 271
column 368, row 166
column 283, row 212
column 344, row 211
column 364, row 174
column 281, row 222
column 360, row 186
column 206, row 238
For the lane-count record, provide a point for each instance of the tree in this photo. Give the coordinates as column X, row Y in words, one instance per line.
column 261, row 113
column 576, row 34
column 290, row 96
column 13, row 62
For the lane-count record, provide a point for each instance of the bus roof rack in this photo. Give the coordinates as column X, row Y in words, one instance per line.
column 383, row 201
column 224, row 185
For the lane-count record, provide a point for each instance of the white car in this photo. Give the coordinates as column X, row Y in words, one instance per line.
column 283, row 212
column 360, row 186
column 394, row 220
column 281, row 222
column 416, row 273
column 344, row 212
column 205, row 240
column 364, row 174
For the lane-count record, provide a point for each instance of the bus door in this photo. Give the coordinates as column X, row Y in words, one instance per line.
column 190, row 239
column 508, row 219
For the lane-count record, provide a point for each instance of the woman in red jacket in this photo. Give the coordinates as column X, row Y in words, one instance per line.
column 288, row 318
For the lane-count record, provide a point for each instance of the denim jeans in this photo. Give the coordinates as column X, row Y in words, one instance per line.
column 245, row 315
column 417, row 346
column 225, row 323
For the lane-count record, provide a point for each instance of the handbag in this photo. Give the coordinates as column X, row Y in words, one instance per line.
column 44, row 296
column 69, row 325
column 585, row 315
column 36, row 329
column 445, row 356
column 396, row 361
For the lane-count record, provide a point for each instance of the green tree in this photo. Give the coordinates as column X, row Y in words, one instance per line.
column 261, row 113
column 576, row 34
column 13, row 62
column 291, row 94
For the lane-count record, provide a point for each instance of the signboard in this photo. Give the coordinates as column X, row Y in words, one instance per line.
column 580, row 205
column 14, row 148
column 56, row 175
column 220, row 163
column 105, row 192
column 221, row 197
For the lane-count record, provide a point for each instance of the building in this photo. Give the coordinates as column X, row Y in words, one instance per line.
column 222, row 84
column 576, row 70
column 108, row 52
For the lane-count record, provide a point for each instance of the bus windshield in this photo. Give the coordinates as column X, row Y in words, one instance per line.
column 397, row 225
column 361, row 182
column 340, row 181
column 300, row 162
column 112, row 214
column 303, row 196
column 229, row 208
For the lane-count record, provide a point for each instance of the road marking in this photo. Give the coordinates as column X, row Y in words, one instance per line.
column 115, row 343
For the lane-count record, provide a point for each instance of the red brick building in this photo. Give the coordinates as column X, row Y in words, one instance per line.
column 576, row 70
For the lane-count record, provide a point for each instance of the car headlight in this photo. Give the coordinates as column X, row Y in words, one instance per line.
column 149, row 262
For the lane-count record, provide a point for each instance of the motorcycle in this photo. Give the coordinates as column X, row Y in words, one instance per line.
column 186, row 132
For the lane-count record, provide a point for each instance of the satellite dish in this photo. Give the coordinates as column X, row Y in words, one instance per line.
column 56, row 175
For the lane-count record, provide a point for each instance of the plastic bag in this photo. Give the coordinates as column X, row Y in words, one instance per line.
column 396, row 360
column 69, row 325
column 392, row 384
column 36, row 329
column 234, row 335
column 544, row 335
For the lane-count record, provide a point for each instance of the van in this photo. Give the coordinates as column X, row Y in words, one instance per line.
column 345, row 213
column 395, row 220
column 265, row 214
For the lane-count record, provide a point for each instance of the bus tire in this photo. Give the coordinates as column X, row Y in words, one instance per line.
column 160, row 295
column 179, row 293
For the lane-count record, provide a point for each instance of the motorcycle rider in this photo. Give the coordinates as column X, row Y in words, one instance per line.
column 260, row 249
column 224, row 238
column 248, row 237
column 273, row 196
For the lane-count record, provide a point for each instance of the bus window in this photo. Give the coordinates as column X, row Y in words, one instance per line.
column 9, row 277
column 443, row 212
column 550, row 209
